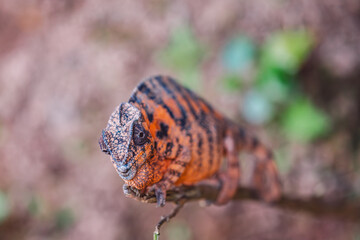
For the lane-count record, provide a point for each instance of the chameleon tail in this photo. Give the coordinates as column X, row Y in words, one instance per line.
column 265, row 177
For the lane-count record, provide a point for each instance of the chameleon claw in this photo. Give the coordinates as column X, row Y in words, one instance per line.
column 127, row 190
column 131, row 191
column 160, row 197
column 160, row 194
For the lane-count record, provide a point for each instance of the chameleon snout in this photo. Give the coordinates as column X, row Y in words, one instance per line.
column 126, row 172
column 123, row 169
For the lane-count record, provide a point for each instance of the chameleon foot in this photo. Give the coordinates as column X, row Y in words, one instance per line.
column 132, row 192
column 160, row 193
column 228, row 188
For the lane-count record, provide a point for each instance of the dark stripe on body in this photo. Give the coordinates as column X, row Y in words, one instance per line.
column 201, row 120
column 169, row 147
column 163, row 132
column 183, row 120
column 199, row 99
column 183, row 93
column 143, row 88
column 180, row 148
column 174, row 173
column 134, row 99
column 180, row 163
column 204, row 125
column 200, row 145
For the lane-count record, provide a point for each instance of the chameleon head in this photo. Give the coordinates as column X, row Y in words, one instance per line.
column 128, row 141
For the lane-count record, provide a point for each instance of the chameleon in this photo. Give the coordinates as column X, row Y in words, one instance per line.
column 166, row 135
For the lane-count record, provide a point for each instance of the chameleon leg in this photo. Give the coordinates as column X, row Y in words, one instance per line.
column 172, row 174
column 265, row 176
column 230, row 178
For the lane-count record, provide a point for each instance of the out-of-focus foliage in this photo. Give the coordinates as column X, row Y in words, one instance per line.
column 184, row 55
column 64, row 218
column 4, row 206
column 274, row 87
column 34, row 206
column 238, row 54
column 184, row 52
column 285, row 51
column 283, row 160
column 232, row 82
column 178, row 230
column 271, row 73
column 256, row 108
column 281, row 56
column 302, row 121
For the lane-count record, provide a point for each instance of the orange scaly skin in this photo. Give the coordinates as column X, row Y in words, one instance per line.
column 166, row 135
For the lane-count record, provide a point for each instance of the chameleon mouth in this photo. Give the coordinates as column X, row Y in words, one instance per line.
column 127, row 173
column 129, row 170
column 124, row 170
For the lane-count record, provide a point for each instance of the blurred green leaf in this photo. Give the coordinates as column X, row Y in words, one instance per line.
column 356, row 235
column 4, row 206
column 286, row 50
column 275, row 85
column 256, row 108
column 184, row 52
column 178, row 231
column 35, row 205
column 283, row 160
column 232, row 82
column 64, row 218
column 184, row 55
column 304, row 122
column 238, row 54
column 190, row 79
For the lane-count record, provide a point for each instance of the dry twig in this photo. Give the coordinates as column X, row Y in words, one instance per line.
column 344, row 209
column 166, row 218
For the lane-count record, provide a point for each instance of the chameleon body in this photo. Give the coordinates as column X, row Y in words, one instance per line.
column 166, row 135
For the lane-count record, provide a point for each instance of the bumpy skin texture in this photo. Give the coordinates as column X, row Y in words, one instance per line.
column 166, row 135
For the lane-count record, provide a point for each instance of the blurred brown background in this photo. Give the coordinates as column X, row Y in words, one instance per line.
column 66, row 64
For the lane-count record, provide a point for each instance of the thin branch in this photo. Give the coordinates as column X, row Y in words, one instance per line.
column 345, row 209
column 167, row 218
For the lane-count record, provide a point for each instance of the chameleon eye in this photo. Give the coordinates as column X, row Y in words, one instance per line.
column 139, row 136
